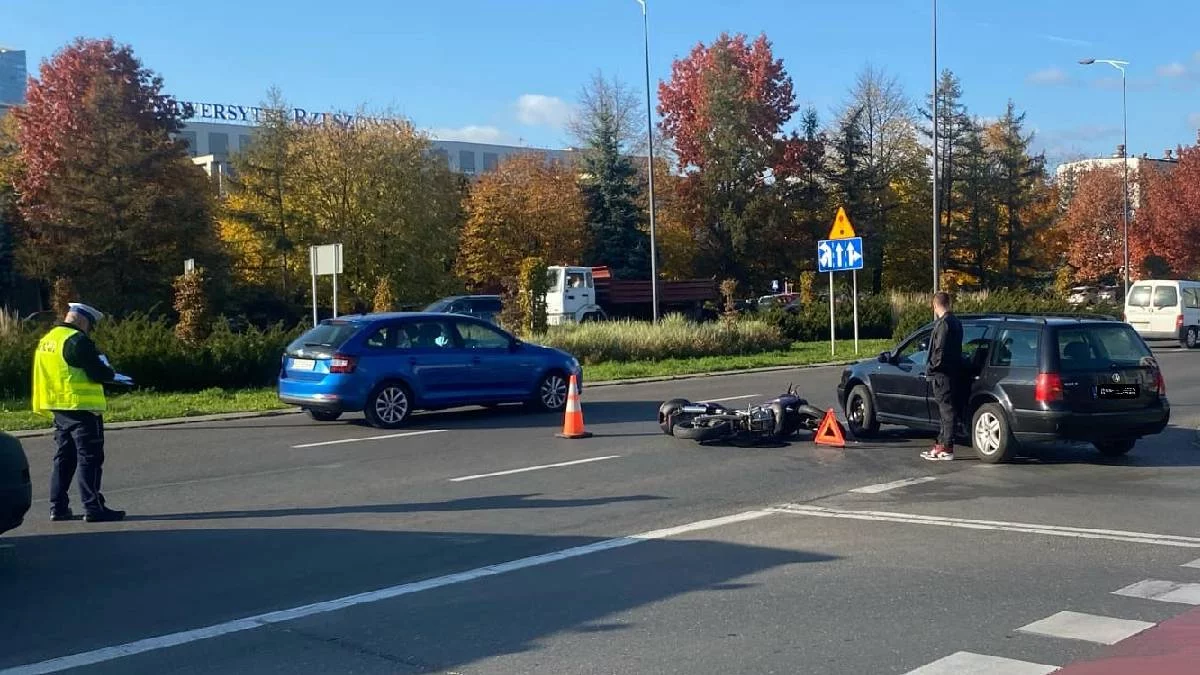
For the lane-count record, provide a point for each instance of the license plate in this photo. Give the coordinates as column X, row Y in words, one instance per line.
column 1117, row 391
column 303, row 364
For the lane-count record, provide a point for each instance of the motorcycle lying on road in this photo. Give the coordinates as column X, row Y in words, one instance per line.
column 705, row 422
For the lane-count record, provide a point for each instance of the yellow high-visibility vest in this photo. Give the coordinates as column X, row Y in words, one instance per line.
column 58, row 385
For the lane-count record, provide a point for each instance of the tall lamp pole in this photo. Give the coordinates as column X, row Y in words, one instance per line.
column 1120, row 65
column 937, row 279
column 650, row 168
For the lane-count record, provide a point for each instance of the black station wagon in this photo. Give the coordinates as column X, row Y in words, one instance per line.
column 1026, row 379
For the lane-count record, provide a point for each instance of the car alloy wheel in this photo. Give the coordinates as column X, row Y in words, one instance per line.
column 988, row 434
column 391, row 405
column 1193, row 337
column 553, row 392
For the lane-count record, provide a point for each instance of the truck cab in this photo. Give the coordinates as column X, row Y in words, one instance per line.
column 571, row 296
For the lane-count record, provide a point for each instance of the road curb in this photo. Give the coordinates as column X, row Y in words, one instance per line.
column 223, row 417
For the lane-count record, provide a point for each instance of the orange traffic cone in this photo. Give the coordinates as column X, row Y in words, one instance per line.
column 573, row 424
column 830, row 431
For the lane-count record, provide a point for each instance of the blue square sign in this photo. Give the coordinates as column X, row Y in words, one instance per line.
column 839, row 255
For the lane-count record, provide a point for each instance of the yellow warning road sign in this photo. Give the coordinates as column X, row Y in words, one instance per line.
column 842, row 229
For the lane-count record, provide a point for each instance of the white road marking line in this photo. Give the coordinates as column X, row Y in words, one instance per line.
column 969, row 663
column 1163, row 591
column 728, row 398
column 1027, row 528
column 106, row 654
column 370, row 438
column 533, row 468
column 884, row 487
column 1194, row 563
column 1104, row 630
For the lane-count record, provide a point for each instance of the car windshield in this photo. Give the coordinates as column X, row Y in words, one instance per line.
column 324, row 339
column 440, row 306
column 1101, row 347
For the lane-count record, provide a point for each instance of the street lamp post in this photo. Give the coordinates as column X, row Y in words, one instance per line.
column 1120, row 65
column 650, row 168
column 937, row 279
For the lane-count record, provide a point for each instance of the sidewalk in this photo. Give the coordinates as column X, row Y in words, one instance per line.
column 1170, row 648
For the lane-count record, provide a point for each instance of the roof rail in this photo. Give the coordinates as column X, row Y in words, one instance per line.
column 1042, row 316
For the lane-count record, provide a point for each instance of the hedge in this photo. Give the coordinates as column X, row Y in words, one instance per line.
column 898, row 315
column 147, row 350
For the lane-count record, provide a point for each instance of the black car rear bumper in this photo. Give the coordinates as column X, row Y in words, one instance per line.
column 1038, row 425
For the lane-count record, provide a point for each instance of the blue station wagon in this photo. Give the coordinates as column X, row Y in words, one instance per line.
column 388, row 365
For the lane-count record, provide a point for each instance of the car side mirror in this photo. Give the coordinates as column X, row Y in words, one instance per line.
column 885, row 357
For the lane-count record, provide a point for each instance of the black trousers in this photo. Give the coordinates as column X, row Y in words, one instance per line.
column 79, row 436
column 945, row 395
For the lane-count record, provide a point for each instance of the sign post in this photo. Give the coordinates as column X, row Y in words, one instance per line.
column 841, row 252
column 325, row 261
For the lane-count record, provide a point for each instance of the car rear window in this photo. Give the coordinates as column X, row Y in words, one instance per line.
column 1166, row 296
column 324, row 339
column 1100, row 347
column 1139, row 296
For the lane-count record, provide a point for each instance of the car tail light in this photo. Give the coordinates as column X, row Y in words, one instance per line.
column 1160, row 383
column 342, row 364
column 1049, row 388
column 1179, row 322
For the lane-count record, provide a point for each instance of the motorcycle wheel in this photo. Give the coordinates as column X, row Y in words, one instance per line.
column 691, row 432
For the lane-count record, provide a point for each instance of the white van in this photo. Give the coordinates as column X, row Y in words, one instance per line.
column 1165, row 310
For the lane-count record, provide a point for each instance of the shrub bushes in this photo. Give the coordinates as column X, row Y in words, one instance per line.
column 148, row 351
column 674, row 337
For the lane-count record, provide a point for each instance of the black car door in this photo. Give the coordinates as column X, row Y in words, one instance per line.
column 976, row 345
column 901, row 390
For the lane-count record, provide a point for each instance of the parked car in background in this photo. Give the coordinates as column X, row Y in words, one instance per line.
column 1082, row 295
column 388, row 365
column 485, row 307
column 1165, row 310
column 1032, row 379
column 1109, row 295
column 16, row 492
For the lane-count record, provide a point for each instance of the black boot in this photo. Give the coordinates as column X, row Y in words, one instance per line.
column 105, row 515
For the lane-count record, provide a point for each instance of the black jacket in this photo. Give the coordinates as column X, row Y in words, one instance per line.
column 945, row 350
column 80, row 352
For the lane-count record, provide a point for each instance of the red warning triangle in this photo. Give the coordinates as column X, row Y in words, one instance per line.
column 830, row 431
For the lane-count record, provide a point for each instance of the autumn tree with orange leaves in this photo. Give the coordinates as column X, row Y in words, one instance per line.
column 1093, row 226
column 1167, row 230
column 526, row 208
column 723, row 110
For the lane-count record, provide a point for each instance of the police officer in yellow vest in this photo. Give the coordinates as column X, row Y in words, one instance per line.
column 68, row 384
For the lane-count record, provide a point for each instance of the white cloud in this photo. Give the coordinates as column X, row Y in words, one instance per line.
column 1074, row 42
column 543, row 111
column 1175, row 69
column 471, row 134
column 1049, row 77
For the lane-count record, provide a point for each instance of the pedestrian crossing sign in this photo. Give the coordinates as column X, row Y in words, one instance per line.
column 842, row 229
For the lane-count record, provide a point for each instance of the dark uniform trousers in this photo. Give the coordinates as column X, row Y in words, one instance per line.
column 945, row 394
column 79, row 436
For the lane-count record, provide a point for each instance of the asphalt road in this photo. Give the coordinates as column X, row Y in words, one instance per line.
column 477, row 542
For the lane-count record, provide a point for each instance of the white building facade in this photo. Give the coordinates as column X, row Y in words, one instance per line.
column 215, row 132
column 1068, row 173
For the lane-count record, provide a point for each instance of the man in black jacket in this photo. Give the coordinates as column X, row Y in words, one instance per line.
column 945, row 370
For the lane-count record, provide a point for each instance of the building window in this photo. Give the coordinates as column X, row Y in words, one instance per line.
column 466, row 161
column 189, row 137
column 218, row 144
column 243, row 143
column 490, row 161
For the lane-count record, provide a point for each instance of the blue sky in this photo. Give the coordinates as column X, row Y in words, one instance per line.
column 508, row 70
